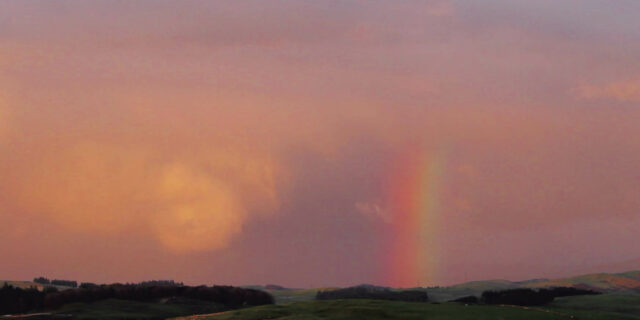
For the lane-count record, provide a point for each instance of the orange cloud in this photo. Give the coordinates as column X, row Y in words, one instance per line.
column 4, row 123
column 625, row 91
column 200, row 212
column 185, row 204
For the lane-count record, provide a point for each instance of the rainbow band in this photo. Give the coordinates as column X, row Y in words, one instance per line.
column 415, row 206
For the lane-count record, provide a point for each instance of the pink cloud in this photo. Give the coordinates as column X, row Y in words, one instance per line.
column 625, row 91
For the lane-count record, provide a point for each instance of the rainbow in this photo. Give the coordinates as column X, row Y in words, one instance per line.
column 414, row 195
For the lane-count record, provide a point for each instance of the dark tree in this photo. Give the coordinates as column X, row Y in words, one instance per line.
column 15, row 300
column 41, row 280
column 466, row 300
column 87, row 285
column 530, row 297
column 371, row 292
column 65, row 283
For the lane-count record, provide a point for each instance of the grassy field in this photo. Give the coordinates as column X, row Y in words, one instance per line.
column 125, row 309
column 375, row 309
column 295, row 295
column 441, row 294
column 608, row 304
column 601, row 307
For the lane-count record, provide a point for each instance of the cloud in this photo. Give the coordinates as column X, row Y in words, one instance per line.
column 200, row 212
column 179, row 126
column 623, row 91
column 185, row 204
column 374, row 211
column 4, row 122
column 4, row 104
column 441, row 8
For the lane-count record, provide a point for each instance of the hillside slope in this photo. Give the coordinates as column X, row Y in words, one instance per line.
column 376, row 309
column 607, row 282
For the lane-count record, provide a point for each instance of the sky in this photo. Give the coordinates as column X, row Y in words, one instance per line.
column 319, row 143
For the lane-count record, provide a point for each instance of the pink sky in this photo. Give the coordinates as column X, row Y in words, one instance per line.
column 253, row 142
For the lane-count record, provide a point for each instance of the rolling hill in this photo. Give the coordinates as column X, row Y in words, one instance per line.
column 605, row 282
column 597, row 281
column 376, row 309
column 628, row 282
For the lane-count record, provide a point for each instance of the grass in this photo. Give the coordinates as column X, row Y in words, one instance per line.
column 441, row 294
column 125, row 309
column 295, row 295
column 377, row 309
column 607, row 304
column 599, row 307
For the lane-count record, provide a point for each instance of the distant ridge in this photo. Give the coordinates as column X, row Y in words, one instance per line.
column 598, row 281
column 22, row 284
column 629, row 280
column 372, row 286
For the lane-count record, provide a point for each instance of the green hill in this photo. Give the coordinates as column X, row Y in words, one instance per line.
column 125, row 309
column 376, row 309
column 628, row 282
column 597, row 281
column 613, row 304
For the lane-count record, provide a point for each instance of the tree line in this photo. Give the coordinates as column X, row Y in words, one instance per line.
column 74, row 284
column 15, row 300
column 371, row 292
column 518, row 296
column 525, row 296
column 56, row 282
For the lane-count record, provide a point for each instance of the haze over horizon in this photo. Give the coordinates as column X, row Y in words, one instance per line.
column 311, row 144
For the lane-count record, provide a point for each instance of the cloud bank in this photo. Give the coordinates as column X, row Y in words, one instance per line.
column 230, row 142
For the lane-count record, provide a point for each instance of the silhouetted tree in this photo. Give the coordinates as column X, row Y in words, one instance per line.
column 15, row 300
column 41, row 280
column 86, row 285
column 160, row 283
column 467, row 300
column 530, row 297
column 66, row 283
column 372, row 292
